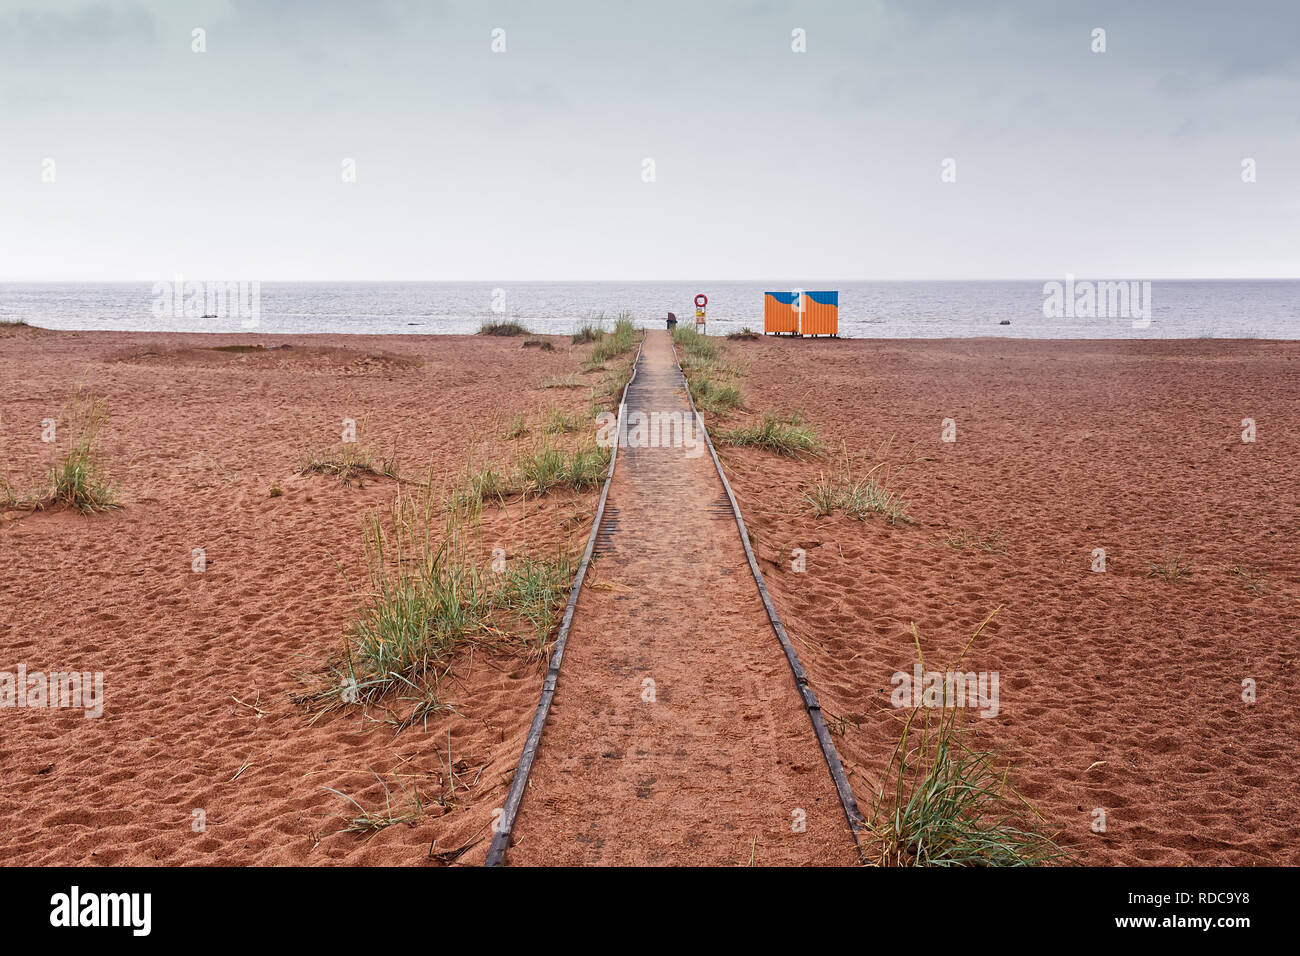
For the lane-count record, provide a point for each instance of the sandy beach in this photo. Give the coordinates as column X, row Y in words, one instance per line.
column 1120, row 690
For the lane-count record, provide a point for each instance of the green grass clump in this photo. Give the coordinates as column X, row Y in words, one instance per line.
column 426, row 599
column 516, row 427
column 501, row 327
column 857, row 499
column 550, row 467
column 350, row 461
column 744, row 334
column 695, row 343
column 713, row 396
column 785, row 436
column 944, row 802
column 10, row 497
column 613, row 344
column 533, row 590
column 558, row 421
column 593, row 330
column 544, row 467
column 425, row 596
column 610, row 392
column 480, row 485
column 78, row 478
column 874, row 493
column 861, row 499
column 1171, row 567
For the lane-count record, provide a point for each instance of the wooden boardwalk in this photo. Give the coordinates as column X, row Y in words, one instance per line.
column 676, row 734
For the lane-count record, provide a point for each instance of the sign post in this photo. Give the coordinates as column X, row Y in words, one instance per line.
column 701, row 301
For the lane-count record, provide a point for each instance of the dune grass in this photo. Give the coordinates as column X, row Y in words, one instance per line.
column 549, row 466
column 745, row 334
column 544, row 466
column 348, row 462
column 945, row 802
column 1171, row 567
column 712, row 395
column 784, row 436
column 593, row 330
column 695, row 343
column 516, row 427
column 561, row 381
column 546, row 345
column 858, row 499
column 613, row 344
column 862, row 494
column 78, row 478
column 368, row 822
column 427, row 597
column 501, row 327
column 557, row 421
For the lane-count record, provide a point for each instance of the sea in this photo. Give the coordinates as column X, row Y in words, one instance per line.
column 1050, row 309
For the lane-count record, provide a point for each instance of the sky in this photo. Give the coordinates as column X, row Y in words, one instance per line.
column 634, row 140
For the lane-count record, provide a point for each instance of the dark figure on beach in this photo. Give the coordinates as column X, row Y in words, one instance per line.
column 672, row 321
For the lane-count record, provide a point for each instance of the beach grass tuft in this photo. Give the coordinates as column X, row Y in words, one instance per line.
column 945, row 802
column 516, row 427
column 593, row 330
column 561, row 381
column 784, row 436
column 861, row 495
column 539, row 469
column 857, row 499
column 745, row 334
column 78, row 479
column 558, row 421
column 614, row 344
column 549, row 466
column 368, row 822
column 349, row 461
column 501, row 327
column 1171, row 567
column 695, row 343
column 427, row 597
column 712, row 395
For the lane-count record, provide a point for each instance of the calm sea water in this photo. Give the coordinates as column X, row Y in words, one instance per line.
column 1180, row 309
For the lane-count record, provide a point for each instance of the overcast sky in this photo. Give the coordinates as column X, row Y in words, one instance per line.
column 530, row 163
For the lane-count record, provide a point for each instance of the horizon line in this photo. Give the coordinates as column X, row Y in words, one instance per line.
column 692, row 279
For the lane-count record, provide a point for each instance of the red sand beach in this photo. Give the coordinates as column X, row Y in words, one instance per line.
column 1119, row 690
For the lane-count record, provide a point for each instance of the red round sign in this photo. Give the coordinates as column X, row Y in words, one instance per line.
column 701, row 300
